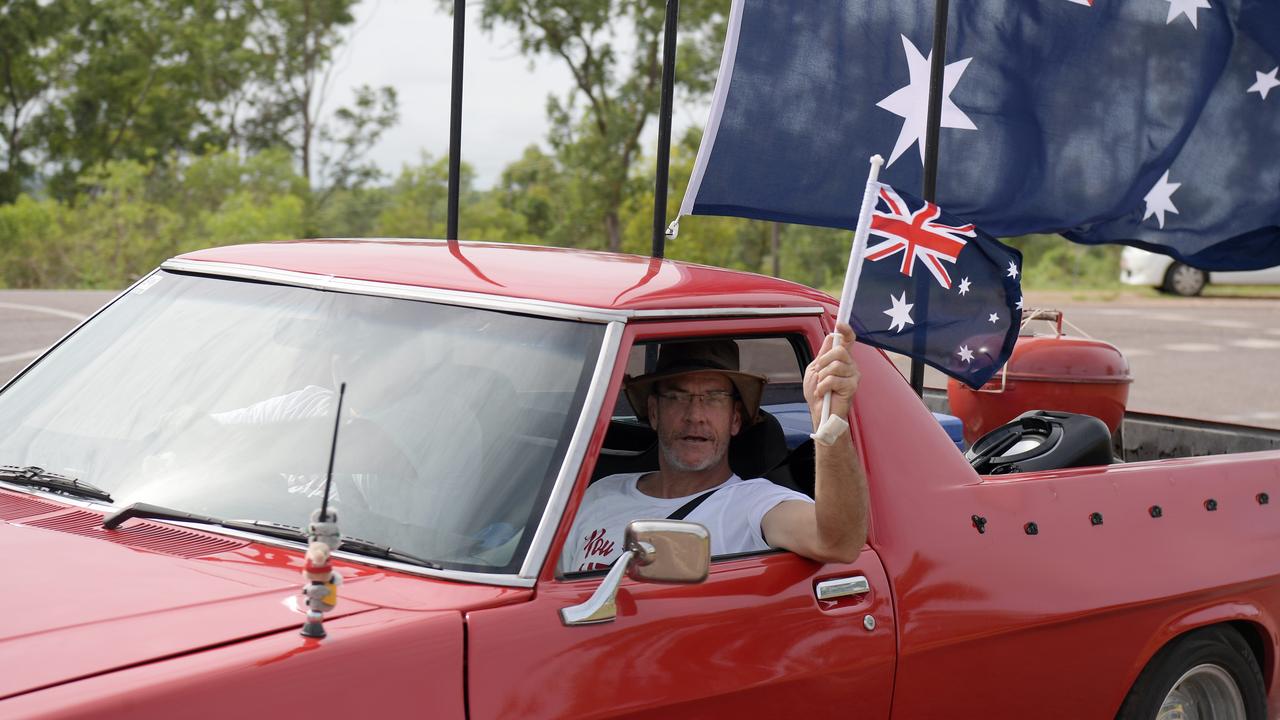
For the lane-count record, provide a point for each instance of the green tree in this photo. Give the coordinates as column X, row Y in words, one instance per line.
column 721, row 241
column 225, row 199
column 242, row 218
column 417, row 202
column 296, row 42
column 117, row 232
column 137, row 215
column 206, row 182
column 34, row 244
column 1052, row 261
column 534, row 188
column 613, row 50
column 346, row 213
column 161, row 81
column 32, row 62
column 138, row 84
column 349, row 137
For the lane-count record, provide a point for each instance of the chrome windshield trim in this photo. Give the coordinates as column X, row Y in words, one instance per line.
column 460, row 575
column 469, row 299
column 725, row 312
column 408, row 292
column 576, row 453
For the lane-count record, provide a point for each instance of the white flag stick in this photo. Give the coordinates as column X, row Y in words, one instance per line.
column 856, row 255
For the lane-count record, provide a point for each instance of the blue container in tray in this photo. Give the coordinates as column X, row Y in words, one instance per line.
column 794, row 418
column 953, row 426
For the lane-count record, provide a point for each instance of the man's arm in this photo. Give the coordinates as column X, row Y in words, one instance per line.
column 311, row 401
column 834, row 528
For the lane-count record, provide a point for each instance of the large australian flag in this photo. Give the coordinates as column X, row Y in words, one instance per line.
column 937, row 288
column 1217, row 205
column 1145, row 122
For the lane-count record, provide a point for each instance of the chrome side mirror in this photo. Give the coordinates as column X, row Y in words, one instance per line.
column 668, row 551
column 662, row 551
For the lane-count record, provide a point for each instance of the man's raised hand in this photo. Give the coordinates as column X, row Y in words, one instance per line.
column 832, row 371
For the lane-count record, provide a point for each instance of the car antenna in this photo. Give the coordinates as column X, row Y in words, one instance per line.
column 322, row 579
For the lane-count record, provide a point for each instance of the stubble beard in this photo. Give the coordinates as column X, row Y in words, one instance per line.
column 673, row 459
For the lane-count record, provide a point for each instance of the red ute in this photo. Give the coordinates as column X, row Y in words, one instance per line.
column 484, row 385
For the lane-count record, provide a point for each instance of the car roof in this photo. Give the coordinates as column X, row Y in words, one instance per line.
column 585, row 278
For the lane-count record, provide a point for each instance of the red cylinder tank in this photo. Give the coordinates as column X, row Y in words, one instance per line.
column 1047, row 372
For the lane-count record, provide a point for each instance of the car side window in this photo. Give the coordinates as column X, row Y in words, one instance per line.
column 764, row 449
column 759, row 450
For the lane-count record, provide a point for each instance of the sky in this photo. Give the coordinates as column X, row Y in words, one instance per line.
column 407, row 44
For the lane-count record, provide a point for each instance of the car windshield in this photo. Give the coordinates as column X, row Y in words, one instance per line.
column 218, row 396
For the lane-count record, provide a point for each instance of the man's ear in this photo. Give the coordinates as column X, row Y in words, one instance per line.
column 739, row 412
column 652, row 403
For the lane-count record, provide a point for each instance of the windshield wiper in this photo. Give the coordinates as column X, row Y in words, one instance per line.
column 157, row 512
column 33, row 476
column 262, row 527
column 372, row 549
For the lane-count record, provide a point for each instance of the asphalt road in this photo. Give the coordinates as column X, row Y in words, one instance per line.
column 1212, row 358
column 32, row 320
column 1209, row 358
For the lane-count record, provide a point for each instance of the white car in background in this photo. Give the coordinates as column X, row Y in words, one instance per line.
column 1139, row 267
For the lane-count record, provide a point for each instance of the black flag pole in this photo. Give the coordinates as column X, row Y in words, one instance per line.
column 933, row 125
column 664, row 128
column 455, row 117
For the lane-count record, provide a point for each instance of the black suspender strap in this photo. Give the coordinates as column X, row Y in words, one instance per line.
column 683, row 511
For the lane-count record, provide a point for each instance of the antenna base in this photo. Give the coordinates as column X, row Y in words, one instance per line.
column 313, row 628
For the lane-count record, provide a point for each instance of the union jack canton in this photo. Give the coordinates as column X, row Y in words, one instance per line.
column 917, row 235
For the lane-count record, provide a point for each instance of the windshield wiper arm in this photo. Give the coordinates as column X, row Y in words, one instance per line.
column 33, row 476
column 156, row 512
column 372, row 549
column 262, row 527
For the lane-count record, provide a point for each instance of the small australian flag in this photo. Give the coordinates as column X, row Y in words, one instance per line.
column 935, row 288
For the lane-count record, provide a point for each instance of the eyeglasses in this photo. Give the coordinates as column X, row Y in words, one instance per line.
column 714, row 399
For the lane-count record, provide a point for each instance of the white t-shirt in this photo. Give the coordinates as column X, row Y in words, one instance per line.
column 733, row 515
column 311, row 401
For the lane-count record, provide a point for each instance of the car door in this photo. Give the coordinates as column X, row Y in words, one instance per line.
column 753, row 639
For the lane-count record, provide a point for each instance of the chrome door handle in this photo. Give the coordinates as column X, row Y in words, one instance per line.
column 842, row 587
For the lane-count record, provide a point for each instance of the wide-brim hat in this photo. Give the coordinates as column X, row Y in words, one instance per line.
column 685, row 358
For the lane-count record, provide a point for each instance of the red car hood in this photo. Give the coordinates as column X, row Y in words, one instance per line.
column 78, row 601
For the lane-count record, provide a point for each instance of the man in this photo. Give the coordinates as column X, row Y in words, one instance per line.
column 696, row 400
column 397, row 442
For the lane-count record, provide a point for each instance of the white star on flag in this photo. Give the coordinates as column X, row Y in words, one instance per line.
column 965, row 353
column 1266, row 81
column 1019, row 302
column 1160, row 199
column 993, row 317
column 1013, row 270
column 900, row 313
column 911, row 103
column 964, row 286
column 1185, row 7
